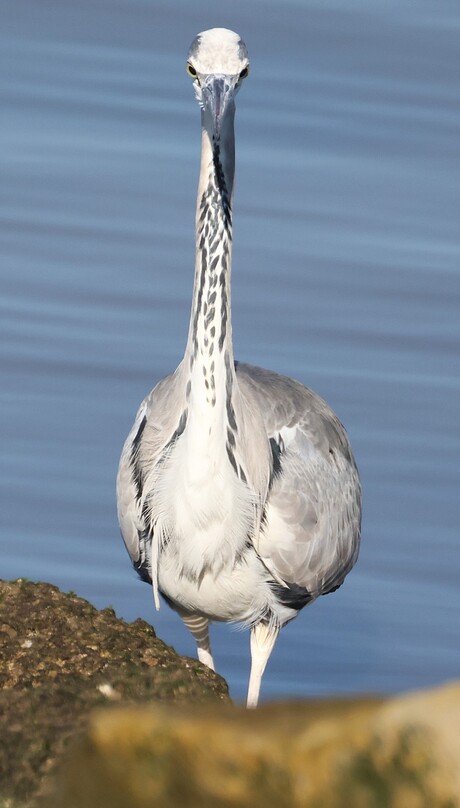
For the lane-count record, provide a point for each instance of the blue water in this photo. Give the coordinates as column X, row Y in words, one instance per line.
column 346, row 276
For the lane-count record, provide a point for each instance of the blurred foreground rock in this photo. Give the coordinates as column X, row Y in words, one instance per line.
column 401, row 753
column 59, row 659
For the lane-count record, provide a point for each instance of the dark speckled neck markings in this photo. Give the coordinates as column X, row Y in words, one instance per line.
column 222, row 186
column 211, row 299
column 232, row 426
column 210, row 349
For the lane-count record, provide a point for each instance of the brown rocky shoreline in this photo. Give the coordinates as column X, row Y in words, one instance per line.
column 60, row 658
column 95, row 712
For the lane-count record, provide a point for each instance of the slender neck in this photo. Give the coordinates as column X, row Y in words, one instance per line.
column 209, row 353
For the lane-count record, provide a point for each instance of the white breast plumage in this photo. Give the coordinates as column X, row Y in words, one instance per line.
column 201, row 508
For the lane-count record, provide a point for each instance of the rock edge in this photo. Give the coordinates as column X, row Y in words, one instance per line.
column 60, row 658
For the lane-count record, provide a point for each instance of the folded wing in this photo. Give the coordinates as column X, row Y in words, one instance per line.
column 310, row 532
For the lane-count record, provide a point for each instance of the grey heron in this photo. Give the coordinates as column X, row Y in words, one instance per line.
column 238, row 494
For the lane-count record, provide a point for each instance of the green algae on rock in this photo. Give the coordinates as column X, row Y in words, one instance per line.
column 60, row 657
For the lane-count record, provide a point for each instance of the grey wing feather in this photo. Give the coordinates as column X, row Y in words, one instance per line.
column 154, row 427
column 310, row 536
column 129, row 493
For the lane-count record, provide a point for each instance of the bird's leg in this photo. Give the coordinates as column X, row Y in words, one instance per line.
column 199, row 627
column 263, row 638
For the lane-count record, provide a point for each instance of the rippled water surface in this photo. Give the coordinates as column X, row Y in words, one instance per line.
column 346, row 276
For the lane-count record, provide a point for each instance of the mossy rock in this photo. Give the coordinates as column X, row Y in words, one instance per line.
column 60, row 658
column 349, row 753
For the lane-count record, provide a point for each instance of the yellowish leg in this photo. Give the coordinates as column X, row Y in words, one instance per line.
column 263, row 639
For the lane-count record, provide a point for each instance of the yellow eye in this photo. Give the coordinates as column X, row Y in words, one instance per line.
column 191, row 70
column 244, row 72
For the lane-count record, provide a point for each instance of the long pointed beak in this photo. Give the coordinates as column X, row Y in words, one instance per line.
column 218, row 94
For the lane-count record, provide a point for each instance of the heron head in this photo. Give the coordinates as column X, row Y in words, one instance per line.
column 218, row 62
